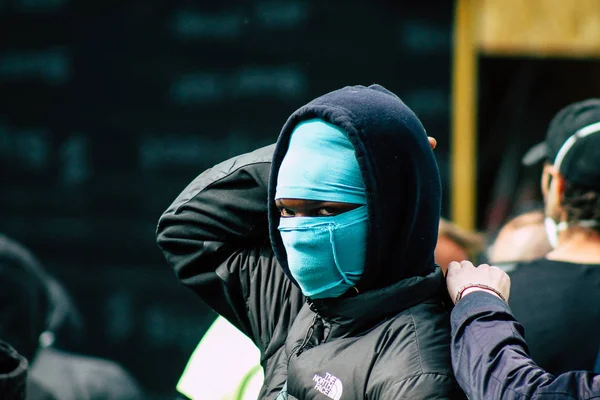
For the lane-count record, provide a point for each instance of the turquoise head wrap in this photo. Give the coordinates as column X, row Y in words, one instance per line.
column 326, row 255
column 320, row 165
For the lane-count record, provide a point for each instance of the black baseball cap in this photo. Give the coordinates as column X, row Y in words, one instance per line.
column 572, row 144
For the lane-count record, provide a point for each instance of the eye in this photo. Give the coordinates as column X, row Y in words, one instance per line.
column 326, row 212
column 286, row 212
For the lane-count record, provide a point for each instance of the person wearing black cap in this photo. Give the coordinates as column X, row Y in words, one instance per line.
column 557, row 298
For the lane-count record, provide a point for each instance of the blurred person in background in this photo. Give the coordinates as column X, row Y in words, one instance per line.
column 34, row 312
column 455, row 243
column 13, row 373
column 322, row 252
column 14, row 384
column 489, row 352
column 556, row 298
column 523, row 238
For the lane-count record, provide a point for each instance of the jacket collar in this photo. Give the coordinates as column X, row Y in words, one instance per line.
column 353, row 315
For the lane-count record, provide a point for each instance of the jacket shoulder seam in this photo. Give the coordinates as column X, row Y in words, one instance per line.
column 209, row 185
column 414, row 324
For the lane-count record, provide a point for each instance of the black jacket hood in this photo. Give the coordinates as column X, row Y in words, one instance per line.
column 33, row 302
column 400, row 175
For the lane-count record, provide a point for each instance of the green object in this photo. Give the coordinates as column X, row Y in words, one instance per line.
column 224, row 366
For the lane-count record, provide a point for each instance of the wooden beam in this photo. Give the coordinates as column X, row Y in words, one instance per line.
column 543, row 28
column 464, row 110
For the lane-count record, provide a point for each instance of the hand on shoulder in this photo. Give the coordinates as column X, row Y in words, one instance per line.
column 464, row 278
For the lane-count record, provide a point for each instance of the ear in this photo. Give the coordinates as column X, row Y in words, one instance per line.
column 560, row 186
column 547, row 175
column 553, row 181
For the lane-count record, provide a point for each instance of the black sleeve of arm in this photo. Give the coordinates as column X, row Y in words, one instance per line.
column 215, row 236
column 491, row 360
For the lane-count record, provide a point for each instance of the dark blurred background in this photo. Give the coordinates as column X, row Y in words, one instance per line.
column 109, row 109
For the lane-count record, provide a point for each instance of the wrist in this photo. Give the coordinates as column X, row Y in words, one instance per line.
column 478, row 289
column 473, row 287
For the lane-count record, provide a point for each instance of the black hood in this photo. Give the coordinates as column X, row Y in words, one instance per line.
column 400, row 175
column 32, row 301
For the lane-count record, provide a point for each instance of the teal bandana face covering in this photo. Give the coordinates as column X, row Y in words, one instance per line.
column 326, row 255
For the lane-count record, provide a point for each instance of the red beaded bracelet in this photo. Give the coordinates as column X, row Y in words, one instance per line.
column 478, row 285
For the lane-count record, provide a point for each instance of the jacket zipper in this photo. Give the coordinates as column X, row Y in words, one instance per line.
column 309, row 333
column 297, row 350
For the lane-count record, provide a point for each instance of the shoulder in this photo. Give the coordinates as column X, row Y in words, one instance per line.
column 258, row 159
column 422, row 386
column 432, row 333
column 418, row 343
column 544, row 271
column 94, row 374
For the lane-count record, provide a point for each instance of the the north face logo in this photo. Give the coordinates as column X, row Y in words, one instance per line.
column 329, row 385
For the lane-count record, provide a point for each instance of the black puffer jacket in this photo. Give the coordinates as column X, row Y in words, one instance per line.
column 389, row 342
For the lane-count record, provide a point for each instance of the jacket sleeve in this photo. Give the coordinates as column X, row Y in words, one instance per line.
column 491, row 360
column 215, row 236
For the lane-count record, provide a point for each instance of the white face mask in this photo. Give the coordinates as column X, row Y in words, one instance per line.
column 551, row 231
column 553, row 228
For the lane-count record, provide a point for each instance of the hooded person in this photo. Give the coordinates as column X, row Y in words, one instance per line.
column 321, row 250
column 36, row 315
column 14, row 370
column 13, row 373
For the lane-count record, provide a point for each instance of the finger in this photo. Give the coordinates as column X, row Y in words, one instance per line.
column 466, row 264
column 453, row 269
column 432, row 142
column 454, row 265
